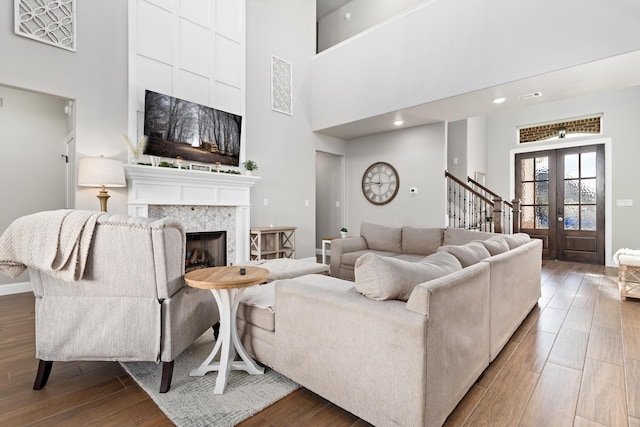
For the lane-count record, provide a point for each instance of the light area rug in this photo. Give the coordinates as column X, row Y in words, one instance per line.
column 191, row 402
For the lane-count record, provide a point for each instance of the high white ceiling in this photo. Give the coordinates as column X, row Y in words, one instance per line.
column 609, row 74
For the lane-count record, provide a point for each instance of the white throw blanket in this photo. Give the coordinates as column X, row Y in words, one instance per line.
column 55, row 242
column 627, row 256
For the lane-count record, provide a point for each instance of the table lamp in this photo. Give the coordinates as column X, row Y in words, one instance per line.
column 101, row 172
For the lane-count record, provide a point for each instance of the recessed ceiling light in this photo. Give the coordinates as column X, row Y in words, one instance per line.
column 398, row 123
column 499, row 100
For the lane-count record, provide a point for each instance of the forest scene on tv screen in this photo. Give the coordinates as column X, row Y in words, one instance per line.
column 179, row 128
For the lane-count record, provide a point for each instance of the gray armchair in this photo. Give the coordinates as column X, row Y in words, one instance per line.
column 131, row 305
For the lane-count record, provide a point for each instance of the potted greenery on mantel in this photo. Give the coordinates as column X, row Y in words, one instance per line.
column 249, row 166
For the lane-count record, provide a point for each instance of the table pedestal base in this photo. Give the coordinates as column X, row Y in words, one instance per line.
column 228, row 343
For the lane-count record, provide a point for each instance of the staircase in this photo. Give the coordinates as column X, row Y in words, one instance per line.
column 473, row 206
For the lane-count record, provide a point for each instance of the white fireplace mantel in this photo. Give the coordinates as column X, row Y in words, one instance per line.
column 149, row 186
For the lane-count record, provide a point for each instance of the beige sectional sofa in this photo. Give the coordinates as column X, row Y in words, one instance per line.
column 405, row 341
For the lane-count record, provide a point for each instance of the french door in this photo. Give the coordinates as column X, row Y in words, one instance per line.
column 562, row 200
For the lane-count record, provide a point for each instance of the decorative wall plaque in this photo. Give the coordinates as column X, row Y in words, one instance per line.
column 48, row 21
column 281, row 85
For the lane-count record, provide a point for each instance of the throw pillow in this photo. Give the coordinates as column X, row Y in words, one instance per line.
column 467, row 254
column 460, row 236
column 423, row 241
column 381, row 237
column 495, row 245
column 388, row 278
column 515, row 240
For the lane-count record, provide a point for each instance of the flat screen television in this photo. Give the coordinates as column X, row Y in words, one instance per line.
column 194, row 132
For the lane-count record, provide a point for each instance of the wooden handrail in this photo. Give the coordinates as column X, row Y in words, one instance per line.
column 486, row 190
column 468, row 188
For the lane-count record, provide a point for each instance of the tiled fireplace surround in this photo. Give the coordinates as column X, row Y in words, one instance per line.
column 201, row 201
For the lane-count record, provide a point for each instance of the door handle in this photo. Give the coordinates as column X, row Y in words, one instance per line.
column 560, row 219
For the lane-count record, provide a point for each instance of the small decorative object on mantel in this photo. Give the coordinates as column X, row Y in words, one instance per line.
column 218, row 166
column 343, row 232
column 155, row 160
column 179, row 162
column 138, row 149
column 250, row 166
column 200, row 167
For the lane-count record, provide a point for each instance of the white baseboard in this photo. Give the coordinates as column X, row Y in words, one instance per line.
column 15, row 288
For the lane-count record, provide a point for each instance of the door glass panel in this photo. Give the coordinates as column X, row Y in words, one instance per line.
column 571, row 191
column 542, row 168
column 542, row 193
column 588, row 166
column 588, row 191
column 527, row 193
column 527, row 217
column 571, row 166
column 542, row 217
column 527, row 170
column 588, row 218
column 571, row 218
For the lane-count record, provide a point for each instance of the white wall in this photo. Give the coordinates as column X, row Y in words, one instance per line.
column 620, row 110
column 363, row 14
column 95, row 77
column 477, row 146
column 33, row 128
column 191, row 50
column 418, row 154
column 283, row 145
column 446, row 48
column 457, row 149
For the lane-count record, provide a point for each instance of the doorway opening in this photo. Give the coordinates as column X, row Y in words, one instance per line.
column 330, row 211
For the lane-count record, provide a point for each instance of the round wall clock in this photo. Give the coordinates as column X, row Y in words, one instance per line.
column 380, row 183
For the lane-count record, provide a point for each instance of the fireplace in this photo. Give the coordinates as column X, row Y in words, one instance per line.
column 201, row 201
column 205, row 249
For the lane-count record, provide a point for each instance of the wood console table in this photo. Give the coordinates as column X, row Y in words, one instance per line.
column 272, row 242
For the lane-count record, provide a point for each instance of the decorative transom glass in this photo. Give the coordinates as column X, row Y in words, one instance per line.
column 535, row 193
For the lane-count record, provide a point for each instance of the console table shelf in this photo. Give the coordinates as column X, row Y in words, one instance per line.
column 272, row 242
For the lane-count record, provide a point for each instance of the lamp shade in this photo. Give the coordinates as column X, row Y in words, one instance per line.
column 99, row 171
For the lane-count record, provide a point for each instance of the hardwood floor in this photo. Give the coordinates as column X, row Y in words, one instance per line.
column 575, row 360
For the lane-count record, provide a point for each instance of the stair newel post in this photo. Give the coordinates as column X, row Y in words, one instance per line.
column 497, row 214
column 516, row 215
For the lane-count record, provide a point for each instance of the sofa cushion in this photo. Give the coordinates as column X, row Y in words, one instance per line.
column 515, row 240
column 495, row 245
column 460, row 236
column 381, row 237
column 257, row 306
column 467, row 254
column 385, row 278
column 423, row 241
column 350, row 258
column 409, row 257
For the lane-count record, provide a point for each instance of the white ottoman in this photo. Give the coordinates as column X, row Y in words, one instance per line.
column 288, row 268
column 628, row 273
